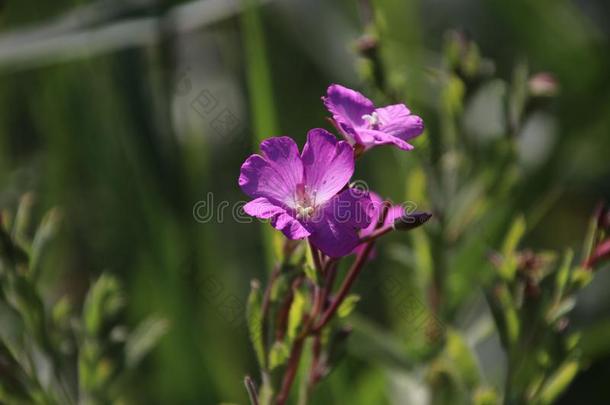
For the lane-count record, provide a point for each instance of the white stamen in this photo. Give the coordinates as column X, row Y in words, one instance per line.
column 372, row 119
column 304, row 211
column 305, row 202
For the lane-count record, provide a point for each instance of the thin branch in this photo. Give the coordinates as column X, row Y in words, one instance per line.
column 353, row 273
column 291, row 371
column 345, row 287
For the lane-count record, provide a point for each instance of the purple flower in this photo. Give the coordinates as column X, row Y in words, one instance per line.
column 305, row 196
column 361, row 123
column 375, row 209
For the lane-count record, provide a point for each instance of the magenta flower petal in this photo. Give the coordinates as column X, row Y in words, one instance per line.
column 397, row 121
column 263, row 208
column 335, row 230
column 394, row 213
column 347, row 107
column 290, row 226
column 280, row 219
column 328, row 164
column 371, row 137
column 276, row 174
column 374, row 210
column 301, row 194
column 361, row 123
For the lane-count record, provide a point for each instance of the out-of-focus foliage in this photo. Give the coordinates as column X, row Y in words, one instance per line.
column 50, row 354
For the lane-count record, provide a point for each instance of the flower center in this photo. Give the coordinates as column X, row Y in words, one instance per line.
column 305, row 202
column 372, row 119
column 304, row 212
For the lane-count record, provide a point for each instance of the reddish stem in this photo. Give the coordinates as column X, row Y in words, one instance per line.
column 314, row 374
column 330, row 273
column 282, row 316
column 353, row 273
column 291, row 371
column 377, row 233
column 347, row 283
column 320, row 295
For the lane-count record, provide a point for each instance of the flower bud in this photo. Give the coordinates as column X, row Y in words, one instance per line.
column 412, row 221
column 543, row 84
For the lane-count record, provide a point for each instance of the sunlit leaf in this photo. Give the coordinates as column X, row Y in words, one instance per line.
column 558, row 382
column 348, row 305
column 295, row 315
column 144, row 339
column 278, row 355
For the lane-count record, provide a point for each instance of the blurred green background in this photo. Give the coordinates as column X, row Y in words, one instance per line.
column 134, row 117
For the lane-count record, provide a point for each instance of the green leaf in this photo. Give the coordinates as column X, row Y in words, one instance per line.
column 255, row 321
column 278, row 241
column 7, row 220
column 589, row 243
column 581, row 277
column 560, row 309
column 511, row 318
column 23, row 218
column 563, row 274
column 25, row 298
column 279, row 287
column 44, row 234
column 310, row 271
column 143, row 339
column 453, row 95
column 486, row 396
column 61, row 312
column 295, row 316
column 278, row 355
column 102, row 304
column 516, row 232
column 265, row 393
column 463, row 359
column 472, row 60
column 518, row 95
column 348, row 305
column 509, row 265
column 16, row 386
column 558, row 382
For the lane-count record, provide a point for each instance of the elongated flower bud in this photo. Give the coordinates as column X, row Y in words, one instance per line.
column 412, row 221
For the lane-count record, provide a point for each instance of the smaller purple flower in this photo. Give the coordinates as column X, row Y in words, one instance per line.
column 305, row 195
column 363, row 124
column 375, row 209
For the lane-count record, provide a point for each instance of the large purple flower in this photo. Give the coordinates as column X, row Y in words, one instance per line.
column 361, row 123
column 305, row 196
